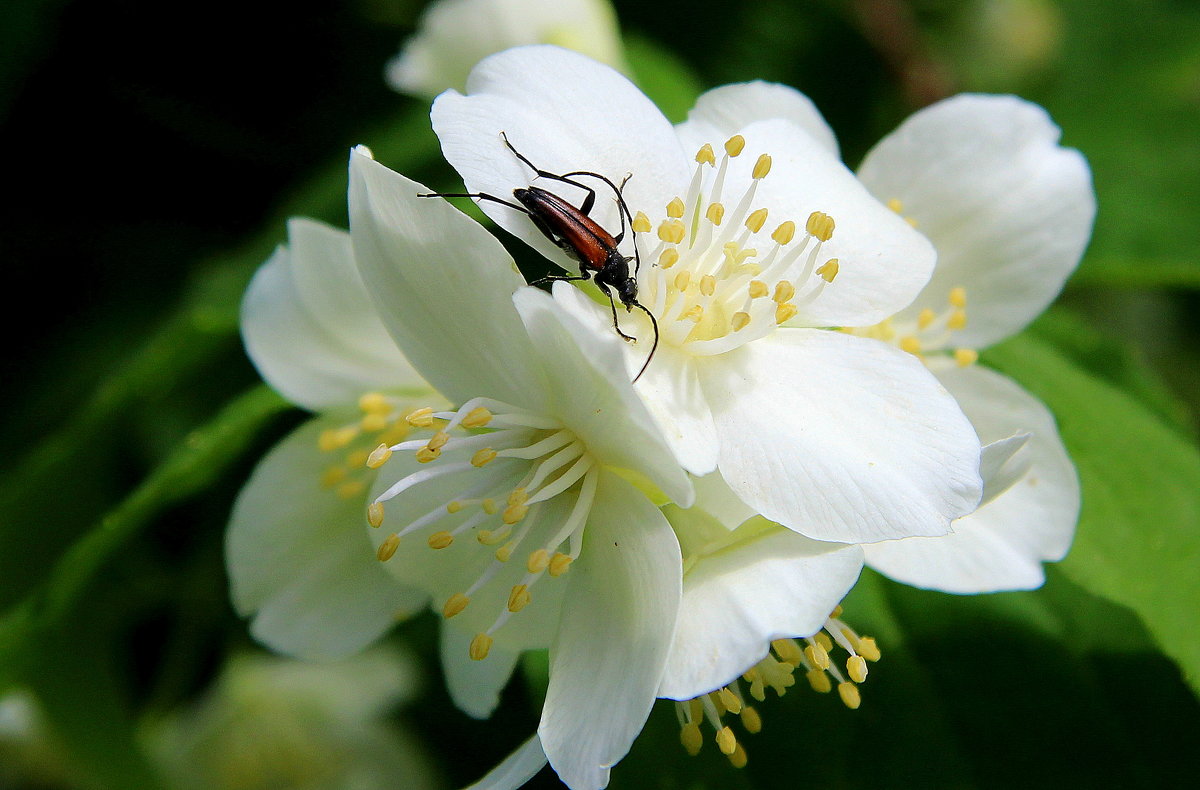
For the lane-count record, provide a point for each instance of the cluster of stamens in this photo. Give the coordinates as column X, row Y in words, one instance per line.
column 382, row 421
column 510, row 463
column 709, row 284
column 776, row 672
column 932, row 330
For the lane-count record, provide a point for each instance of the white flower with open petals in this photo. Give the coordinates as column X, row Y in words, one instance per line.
column 838, row 437
column 517, row 512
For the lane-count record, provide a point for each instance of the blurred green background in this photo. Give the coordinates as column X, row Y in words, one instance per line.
column 151, row 153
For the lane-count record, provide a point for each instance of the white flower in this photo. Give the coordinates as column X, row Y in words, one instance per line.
column 454, row 35
column 537, row 488
column 1010, row 212
column 834, row 436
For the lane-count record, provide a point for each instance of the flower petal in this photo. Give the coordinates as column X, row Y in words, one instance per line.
column 565, row 113
column 441, row 283
column 589, row 393
column 669, row 387
column 474, row 686
column 1000, row 546
column 618, row 618
column 883, row 262
column 841, row 438
column 1009, row 210
column 516, row 769
column 766, row 583
column 725, row 111
column 310, row 328
column 298, row 560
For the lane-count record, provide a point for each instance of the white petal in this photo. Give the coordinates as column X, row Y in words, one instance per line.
column 725, row 111
column 669, row 388
column 842, row 438
column 1009, row 210
column 516, row 769
column 565, row 113
column 883, row 262
column 443, row 286
column 618, row 618
column 1002, row 464
column 715, row 497
column 474, row 686
column 767, row 584
column 299, row 562
column 1000, row 546
column 590, row 393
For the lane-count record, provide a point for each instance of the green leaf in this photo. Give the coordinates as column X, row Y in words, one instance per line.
column 665, row 78
column 1137, row 542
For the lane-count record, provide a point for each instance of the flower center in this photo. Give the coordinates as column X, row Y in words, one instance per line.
column 775, row 671
column 717, row 280
column 501, row 466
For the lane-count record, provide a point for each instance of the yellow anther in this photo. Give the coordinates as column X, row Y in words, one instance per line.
column 836, row 613
column 357, row 458
column 784, row 291
column 641, row 223
column 912, row 221
column 828, row 270
column 374, row 402
column 538, row 561
column 691, row 738
column 730, row 700
column 421, row 418
column 373, row 423
column 715, row 213
column 440, row 540
column 504, row 553
column 817, row 656
column 671, row 231
column 739, row 321
column 388, row 548
column 560, row 563
column 695, row 313
column 895, row 205
column 849, row 694
column 682, row 280
column 708, row 285
column 514, row 513
column 868, row 649
column 925, row 318
column 489, row 506
column 726, row 741
column 669, row 257
column 483, row 457
column 675, row 208
column 706, row 155
column 735, row 144
column 856, row 668
column 351, row 489
column 455, row 604
column 910, row 344
column 751, row 720
column 785, row 232
column 758, row 289
column 820, row 225
column 819, row 681
column 454, row 506
column 788, row 651
column 336, row 438
column 438, row 440
column 518, row 598
column 480, row 646
column 518, row 496
column 785, row 312
column 965, row 357
column 375, row 514
column 957, row 320
column 958, row 297
column 756, row 220
column 379, row 456
column 425, row 455
column 738, row 759
column 333, row 475
column 762, row 167
column 477, row 418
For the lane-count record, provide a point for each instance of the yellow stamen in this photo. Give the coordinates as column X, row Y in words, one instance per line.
column 758, row 289
column 669, row 257
column 820, row 225
column 514, row 513
column 477, row 418
column 828, row 270
column 730, row 700
column 785, row 312
column 560, row 563
column 336, row 438
column 421, row 418
column 762, row 167
column 388, row 547
column 489, row 506
column 895, row 205
column 849, row 694
column 715, row 213
column 440, row 540
column 856, row 668
column 375, row 514
column 333, row 475
column 756, row 220
column 675, row 208
column 519, row 598
column 694, row 313
column 958, row 297
column 957, row 320
column 504, row 553
column 819, row 681
column 374, row 402
column 817, row 656
column 379, row 456
column 708, row 285
column 480, row 646
column 483, row 457
column 351, row 489
column 682, row 280
column 926, row 318
column 788, row 651
column 425, row 455
column 784, row 291
column 784, row 234
column 641, row 223
column 735, row 144
column 965, row 357
column 739, row 321
column 738, row 759
column 705, row 155
column 868, row 649
column 751, row 720
column 438, row 440
column 671, row 231
column 373, row 423
column 455, row 605
column 691, row 738
column 726, row 741
column 824, row 641
column 910, row 344
column 454, row 506
column 538, row 561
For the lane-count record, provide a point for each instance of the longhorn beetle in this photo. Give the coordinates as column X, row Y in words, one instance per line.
column 580, row 237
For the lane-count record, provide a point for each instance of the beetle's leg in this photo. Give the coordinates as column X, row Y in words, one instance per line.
column 480, row 196
column 568, row 278
column 613, row 303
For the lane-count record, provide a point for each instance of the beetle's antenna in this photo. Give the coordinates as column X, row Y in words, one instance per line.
column 653, row 348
